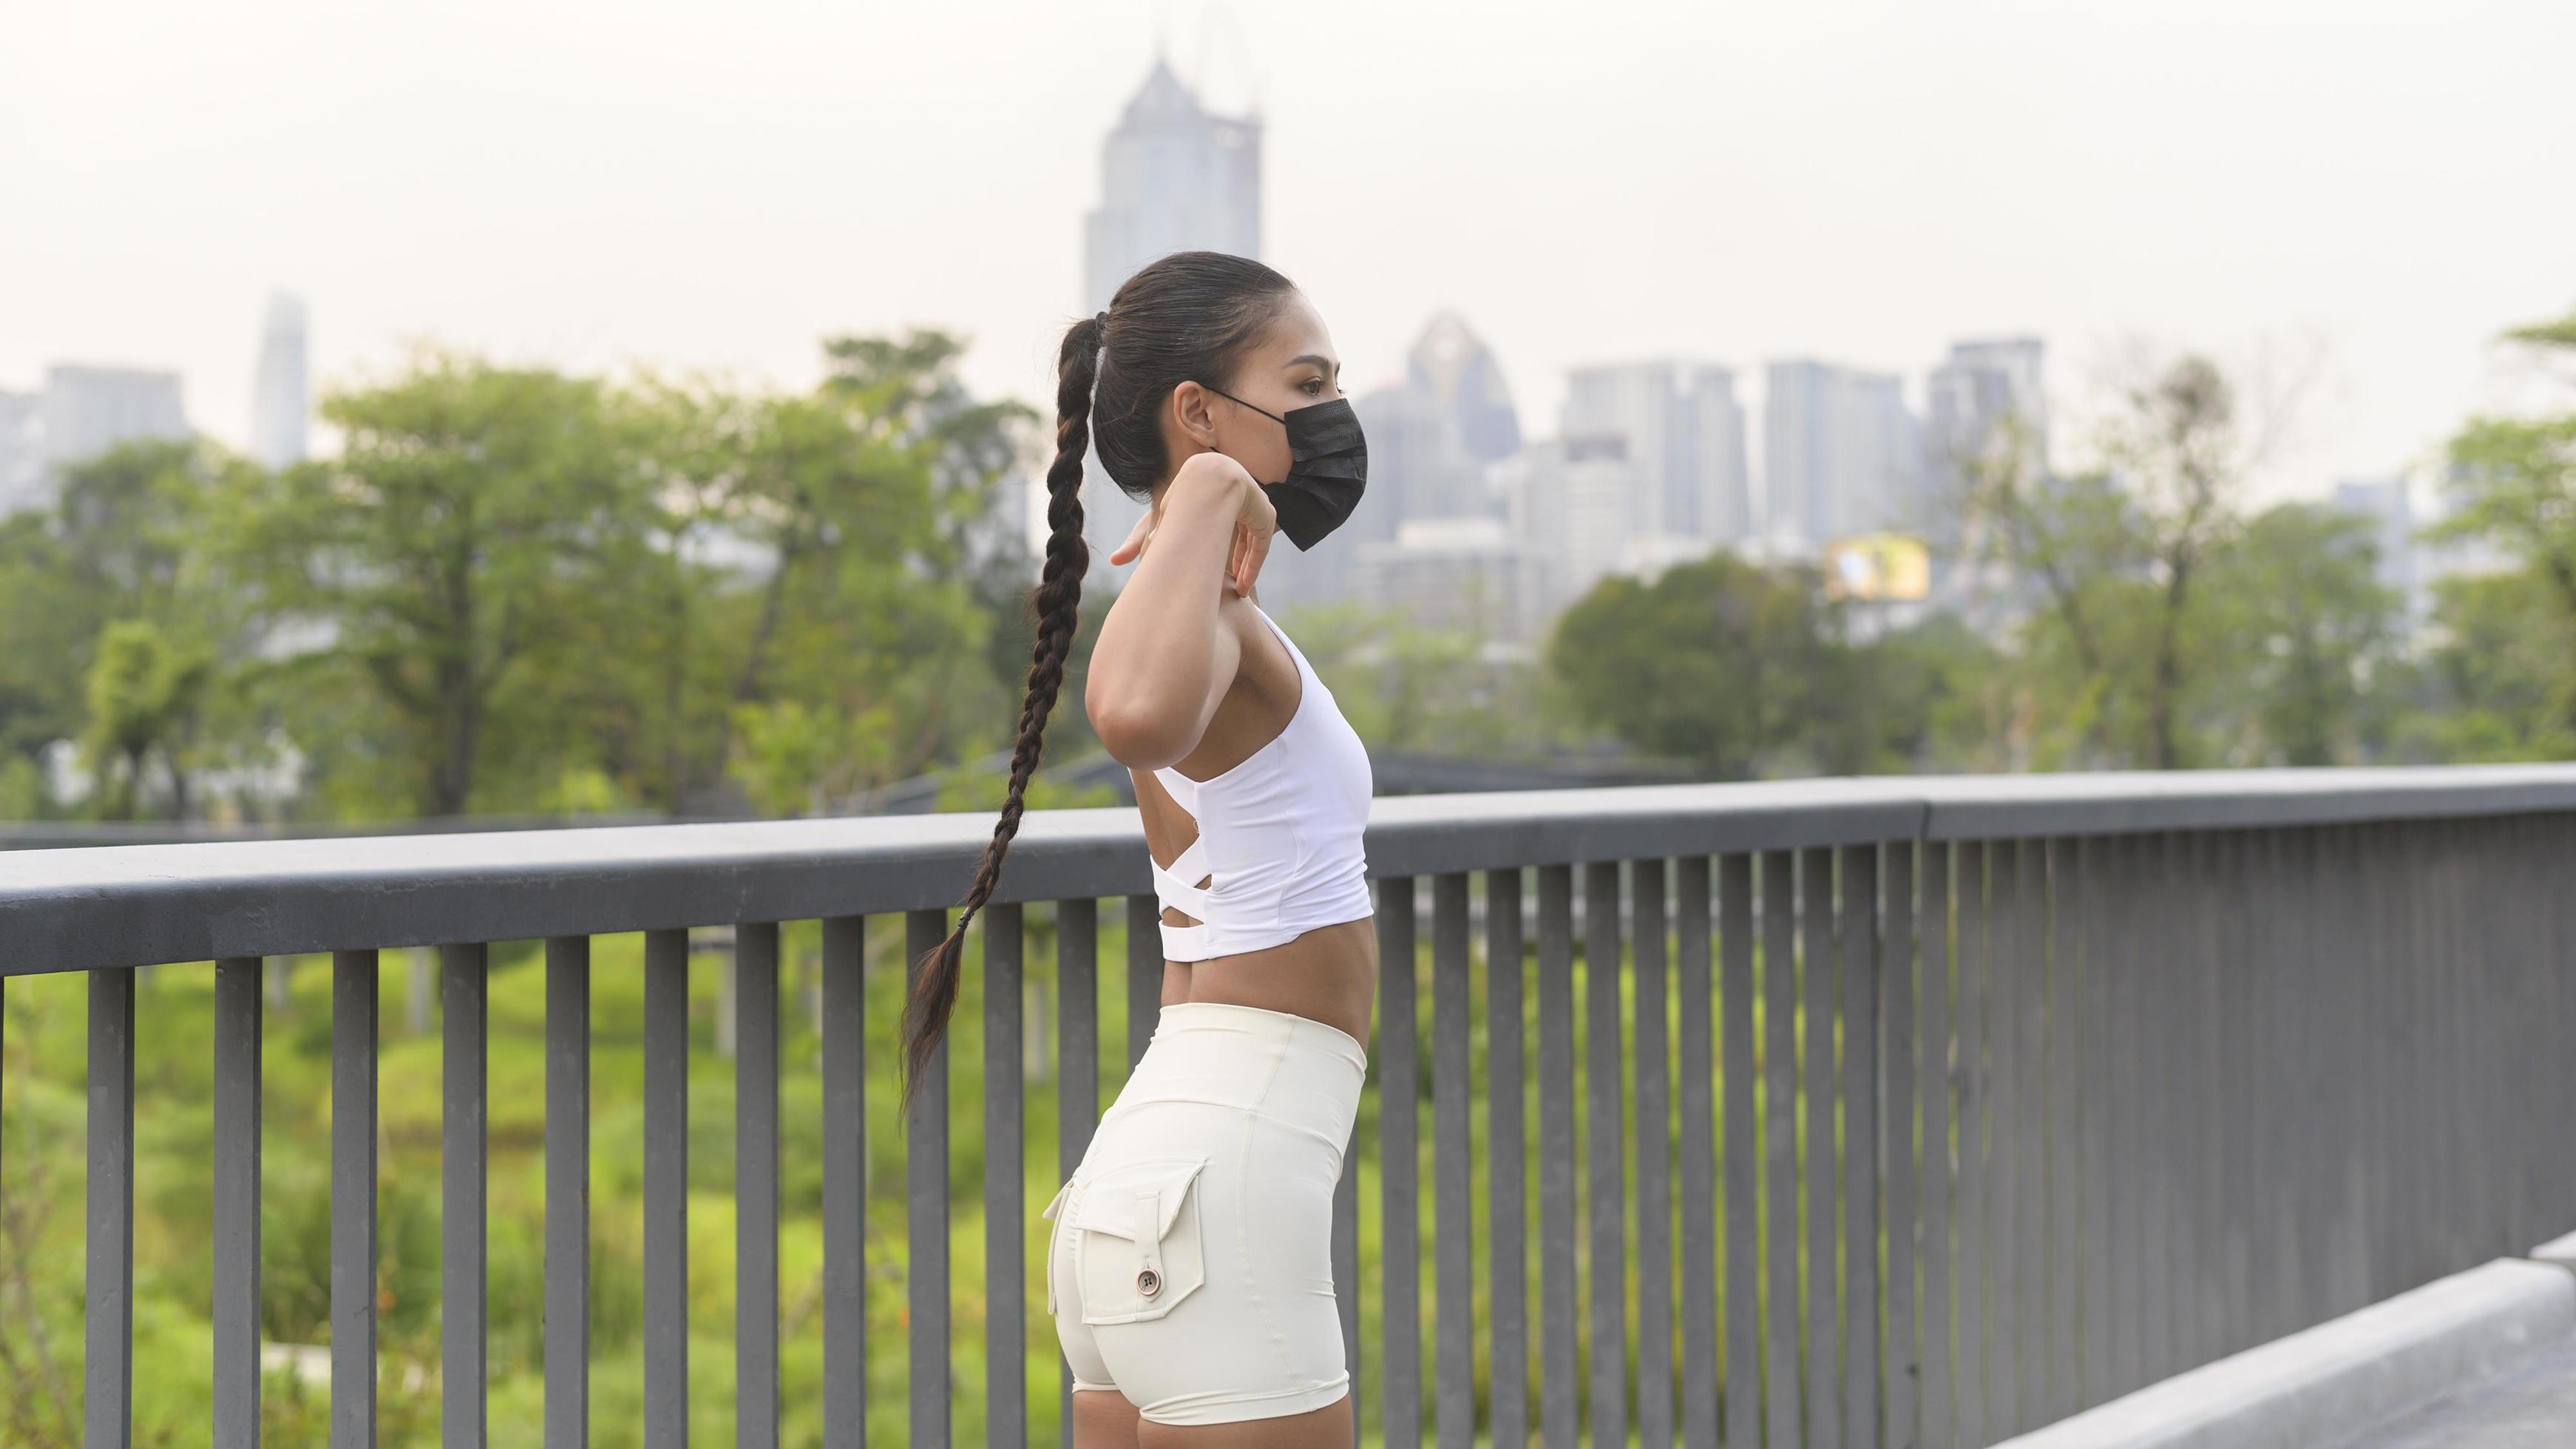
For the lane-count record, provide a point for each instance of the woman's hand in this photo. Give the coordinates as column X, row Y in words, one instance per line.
column 1255, row 520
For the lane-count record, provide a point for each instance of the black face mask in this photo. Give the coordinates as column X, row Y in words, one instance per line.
column 1328, row 469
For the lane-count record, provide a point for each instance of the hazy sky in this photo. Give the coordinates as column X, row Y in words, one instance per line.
column 2380, row 186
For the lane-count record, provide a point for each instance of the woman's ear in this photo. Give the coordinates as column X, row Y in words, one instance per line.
column 1193, row 409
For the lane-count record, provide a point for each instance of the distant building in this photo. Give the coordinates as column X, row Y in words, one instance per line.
column 1684, row 437
column 1986, row 396
column 1839, row 454
column 1453, row 368
column 2389, row 505
column 22, row 450
column 1572, row 501
column 280, row 402
column 1431, row 440
column 1464, row 575
column 1173, row 177
column 89, row 410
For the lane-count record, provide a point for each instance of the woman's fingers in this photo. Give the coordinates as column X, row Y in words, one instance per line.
column 1256, row 552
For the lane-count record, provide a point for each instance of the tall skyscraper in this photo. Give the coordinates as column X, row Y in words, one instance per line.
column 89, row 410
column 2389, row 504
column 1838, row 454
column 279, row 401
column 1454, row 368
column 1431, row 438
column 1985, row 394
column 1684, row 440
column 1573, row 504
column 22, row 450
column 1173, row 177
column 1431, row 441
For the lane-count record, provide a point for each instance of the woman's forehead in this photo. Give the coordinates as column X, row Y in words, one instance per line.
column 1298, row 333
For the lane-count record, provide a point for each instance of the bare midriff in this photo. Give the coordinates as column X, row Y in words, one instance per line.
column 1328, row 974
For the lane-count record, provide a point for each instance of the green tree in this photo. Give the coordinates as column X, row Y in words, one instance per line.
column 124, row 539
column 1716, row 661
column 465, row 521
column 2117, row 650
column 2512, row 483
column 145, row 692
column 2498, row 681
column 2297, row 599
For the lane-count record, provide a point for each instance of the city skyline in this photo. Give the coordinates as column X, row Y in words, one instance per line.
column 1720, row 194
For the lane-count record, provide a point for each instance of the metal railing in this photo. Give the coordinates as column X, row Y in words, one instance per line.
column 1908, row 1112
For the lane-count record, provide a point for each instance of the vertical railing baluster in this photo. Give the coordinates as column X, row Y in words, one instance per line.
column 353, row 1200
column 2155, row 987
column 2122, row 873
column 567, row 1325
column 2090, row 885
column 1077, row 1054
column 2065, row 1129
column 1863, row 1288
column 1937, row 1064
column 108, row 1411
column 1603, row 1144
column 2237, row 967
column 2008, row 1327
column 1654, row 1159
column 1452, row 1094
column 239, row 1008
column 925, row 1170
column 464, row 1142
column 2209, row 1132
column 1399, row 1163
column 845, row 1178
column 1780, row 1352
column 2029, row 1026
column 1006, row 1387
column 1817, row 973
column 1902, row 1365
column 1507, row 1210
column 666, row 1188
column 1692, row 961
column 1557, row 1390
column 755, row 1185
column 1970, row 1004
column 1736, row 1019
column 1144, row 974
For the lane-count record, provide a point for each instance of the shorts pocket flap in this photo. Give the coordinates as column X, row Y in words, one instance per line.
column 1108, row 1203
column 1056, row 1201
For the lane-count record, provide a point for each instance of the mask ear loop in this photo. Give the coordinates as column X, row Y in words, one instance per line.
column 1230, row 397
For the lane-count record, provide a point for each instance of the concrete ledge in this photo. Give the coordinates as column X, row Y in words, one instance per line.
column 2338, row 1379
column 2561, row 1251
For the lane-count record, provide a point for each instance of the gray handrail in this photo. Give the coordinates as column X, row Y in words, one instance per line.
column 71, row 910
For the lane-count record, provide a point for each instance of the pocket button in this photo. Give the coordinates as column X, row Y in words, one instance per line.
column 1149, row 1282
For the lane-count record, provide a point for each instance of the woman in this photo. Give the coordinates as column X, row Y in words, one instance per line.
column 1190, row 1268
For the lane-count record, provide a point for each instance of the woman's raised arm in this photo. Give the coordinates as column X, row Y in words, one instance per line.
column 1166, row 657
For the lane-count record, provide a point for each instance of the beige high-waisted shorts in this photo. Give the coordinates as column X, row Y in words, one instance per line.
column 1191, row 1264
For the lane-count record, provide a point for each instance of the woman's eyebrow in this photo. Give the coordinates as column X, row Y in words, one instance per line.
column 1326, row 363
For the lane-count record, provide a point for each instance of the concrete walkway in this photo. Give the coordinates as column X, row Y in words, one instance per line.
column 2529, row 1407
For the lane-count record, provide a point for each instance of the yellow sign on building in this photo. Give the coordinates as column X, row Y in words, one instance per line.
column 1878, row 566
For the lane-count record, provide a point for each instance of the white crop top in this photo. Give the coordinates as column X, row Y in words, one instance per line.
column 1279, row 834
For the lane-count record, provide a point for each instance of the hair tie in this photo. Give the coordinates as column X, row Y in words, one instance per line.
column 1103, row 317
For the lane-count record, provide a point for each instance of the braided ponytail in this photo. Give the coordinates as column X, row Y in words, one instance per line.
column 1187, row 316
column 1059, row 598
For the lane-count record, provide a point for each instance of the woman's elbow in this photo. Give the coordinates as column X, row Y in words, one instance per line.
column 1139, row 738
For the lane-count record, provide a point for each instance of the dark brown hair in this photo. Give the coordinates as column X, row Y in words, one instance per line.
column 1189, row 317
